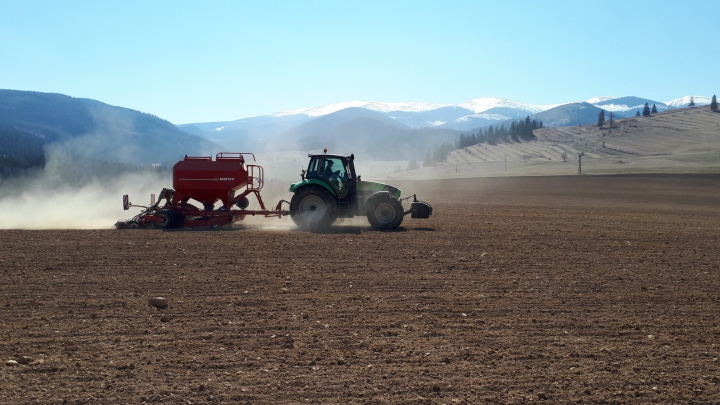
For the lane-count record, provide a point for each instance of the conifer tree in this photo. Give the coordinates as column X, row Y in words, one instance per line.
column 601, row 118
column 692, row 102
column 612, row 120
column 646, row 110
column 428, row 160
column 713, row 103
column 637, row 113
column 654, row 109
column 491, row 136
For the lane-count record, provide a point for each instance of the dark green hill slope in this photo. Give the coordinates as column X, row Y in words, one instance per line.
column 92, row 129
column 19, row 150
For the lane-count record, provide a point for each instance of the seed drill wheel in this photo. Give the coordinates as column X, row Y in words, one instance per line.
column 385, row 212
column 170, row 219
column 313, row 208
column 242, row 203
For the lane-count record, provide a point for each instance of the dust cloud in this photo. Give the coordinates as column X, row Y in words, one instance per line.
column 72, row 192
column 76, row 195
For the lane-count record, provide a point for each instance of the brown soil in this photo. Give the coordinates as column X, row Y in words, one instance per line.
column 559, row 290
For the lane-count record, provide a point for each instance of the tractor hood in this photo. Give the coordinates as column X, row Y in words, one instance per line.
column 369, row 187
column 295, row 186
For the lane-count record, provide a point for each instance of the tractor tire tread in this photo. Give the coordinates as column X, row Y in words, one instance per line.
column 330, row 203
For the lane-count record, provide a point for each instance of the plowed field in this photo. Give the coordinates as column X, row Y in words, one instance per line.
column 558, row 290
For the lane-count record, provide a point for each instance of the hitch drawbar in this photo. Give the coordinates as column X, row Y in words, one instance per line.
column 418, row 209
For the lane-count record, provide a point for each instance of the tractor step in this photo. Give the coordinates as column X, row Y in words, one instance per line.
column 343, row 204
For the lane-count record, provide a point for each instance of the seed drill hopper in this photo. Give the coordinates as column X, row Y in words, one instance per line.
column 226, row 179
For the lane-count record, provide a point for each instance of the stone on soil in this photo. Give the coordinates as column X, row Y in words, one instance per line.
column 159, row 302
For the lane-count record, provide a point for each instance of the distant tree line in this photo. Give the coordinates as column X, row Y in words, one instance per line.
column 647, row 111
column 518, row 131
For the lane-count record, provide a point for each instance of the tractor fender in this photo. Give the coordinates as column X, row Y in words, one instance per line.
column 295, row 187
column 371, row 201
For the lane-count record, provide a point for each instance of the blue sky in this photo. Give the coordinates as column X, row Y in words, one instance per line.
column 199, row 61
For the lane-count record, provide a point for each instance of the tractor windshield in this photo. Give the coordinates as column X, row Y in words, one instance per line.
column 332, row 171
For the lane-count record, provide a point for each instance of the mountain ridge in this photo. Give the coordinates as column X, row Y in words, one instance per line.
column 465, row 116
column 96, row 130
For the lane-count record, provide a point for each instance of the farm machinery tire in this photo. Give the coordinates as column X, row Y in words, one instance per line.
column 313, row 208
column 384, row 212
column 171, row 219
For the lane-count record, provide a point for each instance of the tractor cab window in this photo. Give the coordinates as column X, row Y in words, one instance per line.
column 333, row 171
column 312, row 172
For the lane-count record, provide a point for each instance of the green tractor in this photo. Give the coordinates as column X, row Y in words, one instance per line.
column 330, row 189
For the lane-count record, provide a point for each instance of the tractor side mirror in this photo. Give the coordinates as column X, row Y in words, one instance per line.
column 359, row 178
column 302, row 175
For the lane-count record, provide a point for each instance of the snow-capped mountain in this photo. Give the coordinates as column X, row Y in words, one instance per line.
column 472, row 113
column 683, row 102
column 625, row 106
column 629, row 105
column 370, row 105
column 465, row 116
column 599, row 100
column 479, row 105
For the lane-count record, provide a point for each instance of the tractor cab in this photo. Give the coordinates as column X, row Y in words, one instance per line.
column 337, row 171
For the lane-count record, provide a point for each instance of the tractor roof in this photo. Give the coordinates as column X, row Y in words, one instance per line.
column 330, row 155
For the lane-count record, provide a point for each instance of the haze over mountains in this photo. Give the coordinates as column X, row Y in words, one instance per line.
column 31, row 123
column 287, row 129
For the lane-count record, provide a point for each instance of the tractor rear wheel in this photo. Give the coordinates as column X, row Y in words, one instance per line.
column 385, row 213
column 313, row 208
column 170, row 219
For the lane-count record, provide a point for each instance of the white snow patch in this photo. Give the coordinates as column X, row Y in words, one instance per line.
column 370, row 105
column 319, row 111
column 492, row 117
column 598, row 100
column 624, row 107
column 218, row 129
column 618, row 107
column 404, row 107
column 478, row 105
column 436, row 123
column 684, row 101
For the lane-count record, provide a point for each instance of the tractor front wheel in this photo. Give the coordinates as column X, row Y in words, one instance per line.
column 313, row 208
column 385, row 213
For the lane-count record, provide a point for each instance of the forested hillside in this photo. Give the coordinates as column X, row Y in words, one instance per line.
column 19, row 151
column 89, row 129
